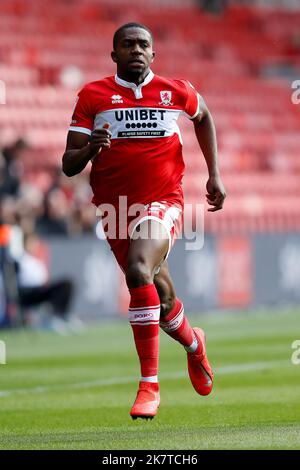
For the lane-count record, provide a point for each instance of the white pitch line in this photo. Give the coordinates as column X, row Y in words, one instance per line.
column 230, row 369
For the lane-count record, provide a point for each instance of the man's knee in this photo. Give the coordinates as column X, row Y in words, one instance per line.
column 138, row 274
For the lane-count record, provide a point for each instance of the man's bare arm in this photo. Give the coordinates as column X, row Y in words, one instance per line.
column 206, row 135
column 81, row 148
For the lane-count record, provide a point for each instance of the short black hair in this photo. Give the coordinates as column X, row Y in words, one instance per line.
column 117, row 34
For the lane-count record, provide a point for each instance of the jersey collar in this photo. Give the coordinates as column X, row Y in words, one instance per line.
column 137, row 89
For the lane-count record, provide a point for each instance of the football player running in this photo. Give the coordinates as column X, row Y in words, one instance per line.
column 126, row 125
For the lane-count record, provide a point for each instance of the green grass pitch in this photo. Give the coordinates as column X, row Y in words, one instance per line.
column 75, row 392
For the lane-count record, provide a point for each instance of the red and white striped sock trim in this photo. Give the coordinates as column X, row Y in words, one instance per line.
column 144, row 315
column 176, row 325
column 173, row 324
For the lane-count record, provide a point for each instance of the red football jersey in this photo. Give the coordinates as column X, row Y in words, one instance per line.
column 145, row 160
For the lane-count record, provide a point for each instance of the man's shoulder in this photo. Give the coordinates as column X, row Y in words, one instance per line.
column 97, row 85
column 178, row 83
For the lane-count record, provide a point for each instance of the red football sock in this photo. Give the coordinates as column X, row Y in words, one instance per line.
column 176, row 325
column 144, row 312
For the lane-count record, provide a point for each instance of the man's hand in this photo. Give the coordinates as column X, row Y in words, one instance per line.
column 100, row 138
column 82, row 148
column 216, row 193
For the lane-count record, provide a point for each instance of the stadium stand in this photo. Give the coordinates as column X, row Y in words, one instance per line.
column 242, row 61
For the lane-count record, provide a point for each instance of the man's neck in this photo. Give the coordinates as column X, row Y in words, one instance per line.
column 133, row 77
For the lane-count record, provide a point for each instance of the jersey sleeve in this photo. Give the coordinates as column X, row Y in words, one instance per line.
column 83, row 116
column 192, row 100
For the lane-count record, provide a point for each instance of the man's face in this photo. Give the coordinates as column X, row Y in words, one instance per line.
column 133, row 53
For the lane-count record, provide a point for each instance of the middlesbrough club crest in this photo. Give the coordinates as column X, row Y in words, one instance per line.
column 166, row 97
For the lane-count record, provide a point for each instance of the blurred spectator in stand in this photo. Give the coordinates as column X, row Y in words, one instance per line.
column 3, row 295
column 35, row 289
column 10, row 168
column 42, row 199
column 54, row 220
column 9, row 295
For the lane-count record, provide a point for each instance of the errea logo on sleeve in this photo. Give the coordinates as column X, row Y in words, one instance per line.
column 116, row 99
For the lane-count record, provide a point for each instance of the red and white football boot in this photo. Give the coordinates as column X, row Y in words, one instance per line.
column 200, row 372
column 147, row 401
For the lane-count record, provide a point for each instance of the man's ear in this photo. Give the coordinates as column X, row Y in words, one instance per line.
column 153, row 56
column 113, row 56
